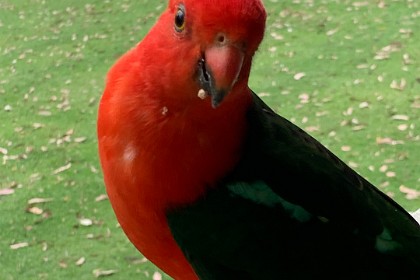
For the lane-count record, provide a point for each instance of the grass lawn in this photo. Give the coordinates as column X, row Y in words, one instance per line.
column 348, row 72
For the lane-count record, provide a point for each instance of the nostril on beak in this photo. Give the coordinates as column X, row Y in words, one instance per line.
column 221, row 38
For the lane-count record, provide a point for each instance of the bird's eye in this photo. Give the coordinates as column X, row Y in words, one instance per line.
column 180, row 19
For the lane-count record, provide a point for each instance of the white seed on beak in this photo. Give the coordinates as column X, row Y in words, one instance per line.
column 202, row 93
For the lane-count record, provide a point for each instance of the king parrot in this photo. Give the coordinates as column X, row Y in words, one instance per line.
column 208, row 182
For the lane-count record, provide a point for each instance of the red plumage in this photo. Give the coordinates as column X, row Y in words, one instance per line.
column 150, row 106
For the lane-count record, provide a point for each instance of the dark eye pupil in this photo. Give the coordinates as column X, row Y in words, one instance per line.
column 179, row 18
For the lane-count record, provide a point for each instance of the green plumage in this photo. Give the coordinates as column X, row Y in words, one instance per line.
column 292, row 210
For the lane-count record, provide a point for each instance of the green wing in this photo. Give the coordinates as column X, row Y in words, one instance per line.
column 292, row 210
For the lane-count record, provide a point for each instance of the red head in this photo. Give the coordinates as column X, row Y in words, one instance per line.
column 213, row 42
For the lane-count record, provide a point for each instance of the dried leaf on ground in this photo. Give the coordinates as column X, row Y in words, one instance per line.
column 400, row 117
column 398, row 85
column 85, row 222
column 388, row 141
column 409, row 193
column 80, row 139
column 19, row 245
column 157, row 276
column 37, row 200
column 101, row 273
column 62, row 264
column 80, row 261
column 386, row 51
column 101, row 197
column 62, row 168
column 299, row 76
column 35, row 210
column 6, row 191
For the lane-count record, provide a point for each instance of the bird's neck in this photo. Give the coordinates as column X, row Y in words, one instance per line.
column 171, row 155
column 187, row 150
column 164, row 158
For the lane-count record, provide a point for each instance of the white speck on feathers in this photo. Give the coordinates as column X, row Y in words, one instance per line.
column 130, row 153
column 165, row 110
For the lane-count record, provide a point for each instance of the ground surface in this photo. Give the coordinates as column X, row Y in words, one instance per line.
column 348, row 72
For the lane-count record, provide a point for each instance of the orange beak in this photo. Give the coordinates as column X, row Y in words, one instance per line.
column 219, row 70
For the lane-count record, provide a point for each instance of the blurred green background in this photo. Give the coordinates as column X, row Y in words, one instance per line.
column 348, row 72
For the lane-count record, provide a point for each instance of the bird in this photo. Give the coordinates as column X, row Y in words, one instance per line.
column 208, row 182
